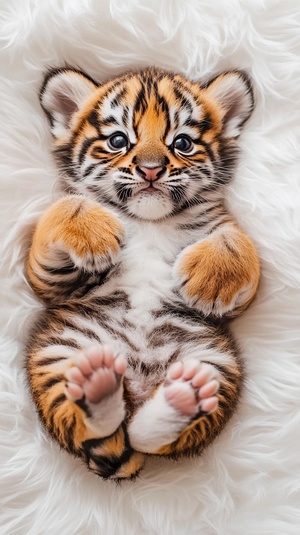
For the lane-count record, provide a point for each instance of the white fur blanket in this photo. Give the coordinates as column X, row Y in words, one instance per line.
column 248, row 481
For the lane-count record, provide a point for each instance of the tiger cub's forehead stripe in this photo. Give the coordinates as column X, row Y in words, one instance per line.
column 93, row 118
column 111, row 110
column 117, row 100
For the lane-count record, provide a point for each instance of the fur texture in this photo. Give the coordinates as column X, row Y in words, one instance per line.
column 152, row 271
column 249, row 477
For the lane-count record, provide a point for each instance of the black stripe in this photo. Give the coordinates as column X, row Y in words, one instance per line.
column 228, row 154
column 124, row 170
column 49, row 360
column 162, row 106
column 56, row 402
column 193, row 123
column 198, row 221
column 99, row 152
column 177, row 172
column 193, row 201
column 69, row 432
column 101, row 174
column 123, row 191
column 206, row 123
column 177, row 193
column 155, row 369
column 208, row 149
column 107, row 465
column 125, row 116
column 215, row 227
column 66, row 265
column 110, row 120
column 184, row 102
column 194, row 226
column 122, row 336
column 63, row 158
column 90, row 308
column 53, row 381
column 199, row 152
column 85, row 146
column 81, row 285
column 77, row 210
column 176, row 119
column 179, row 310
column 169, row 333
column 55, row 340
column 229, row 247
column 116, row 100
column 202, row 126
column 84, row 330
column 198, row 160
column 205, row 171
column 229, row 376
column 140, row 102
column 93, row 119
column 82, row 404
column 89, row 169
column 198, row 224
column 118, row 298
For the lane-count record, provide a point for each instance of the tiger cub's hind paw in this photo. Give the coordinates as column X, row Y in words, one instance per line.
column 95, row 383
column 188, row 392
column 190, row 387
column 96, row 375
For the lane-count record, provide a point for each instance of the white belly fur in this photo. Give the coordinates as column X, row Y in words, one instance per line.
column 147, row 262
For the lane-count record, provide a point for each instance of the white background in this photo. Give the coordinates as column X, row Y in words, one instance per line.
column 248, row 481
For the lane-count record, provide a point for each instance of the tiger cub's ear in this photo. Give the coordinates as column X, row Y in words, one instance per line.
column 232, row 92
column 62, row 94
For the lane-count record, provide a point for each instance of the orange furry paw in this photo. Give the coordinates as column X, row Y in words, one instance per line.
column 219, row 274
column 83, row 229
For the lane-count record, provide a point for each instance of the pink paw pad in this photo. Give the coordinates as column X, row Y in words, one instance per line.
column 191, row 386
column 96, row 374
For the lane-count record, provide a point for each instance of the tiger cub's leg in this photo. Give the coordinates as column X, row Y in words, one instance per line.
column 75, row 241
column 79, row 395
column 219, row 275
column 187, row 410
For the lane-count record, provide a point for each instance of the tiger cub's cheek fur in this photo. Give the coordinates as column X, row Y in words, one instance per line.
column 220, row 273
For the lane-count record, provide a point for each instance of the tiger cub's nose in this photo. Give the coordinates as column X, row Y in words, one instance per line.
column 150, row 173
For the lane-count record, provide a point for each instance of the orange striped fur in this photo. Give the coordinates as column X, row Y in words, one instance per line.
column 140, row 256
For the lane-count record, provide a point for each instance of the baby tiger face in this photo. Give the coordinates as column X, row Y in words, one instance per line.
column 151, row 142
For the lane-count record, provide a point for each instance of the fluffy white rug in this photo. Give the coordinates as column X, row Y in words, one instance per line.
column 248, row 480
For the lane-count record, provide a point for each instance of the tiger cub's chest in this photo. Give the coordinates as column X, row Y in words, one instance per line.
column 147, row 261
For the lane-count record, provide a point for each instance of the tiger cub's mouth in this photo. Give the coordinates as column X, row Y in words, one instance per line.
column 150, row 189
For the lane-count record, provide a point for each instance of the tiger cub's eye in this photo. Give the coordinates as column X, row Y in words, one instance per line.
column 117, row 141
column 182, row 144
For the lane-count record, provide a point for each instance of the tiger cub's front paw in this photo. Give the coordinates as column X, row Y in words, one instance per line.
column 220, row 274
column 87, row 232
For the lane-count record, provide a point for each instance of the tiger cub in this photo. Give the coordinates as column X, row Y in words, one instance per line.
column 140, row 267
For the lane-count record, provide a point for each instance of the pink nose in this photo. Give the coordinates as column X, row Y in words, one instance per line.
column 150, row 173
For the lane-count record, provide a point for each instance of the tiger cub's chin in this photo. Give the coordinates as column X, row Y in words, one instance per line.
column 150, row 206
